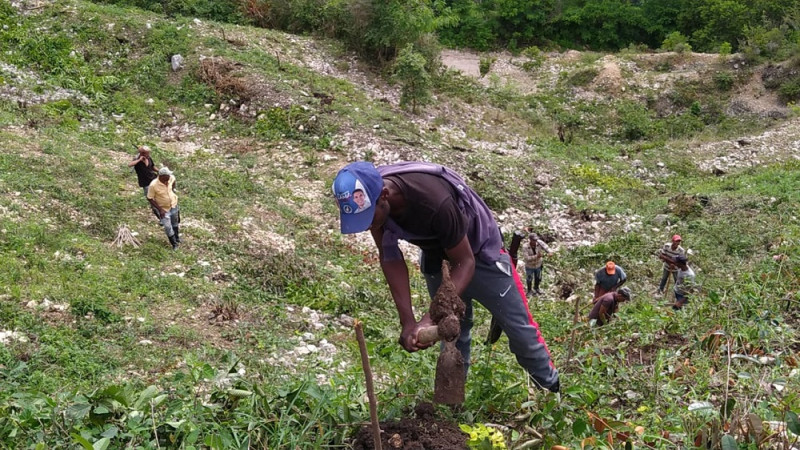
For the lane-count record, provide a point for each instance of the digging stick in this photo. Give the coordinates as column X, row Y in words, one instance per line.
column 373, row 404
column 574, row 322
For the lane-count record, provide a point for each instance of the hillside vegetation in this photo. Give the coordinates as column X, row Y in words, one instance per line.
column 243, row 337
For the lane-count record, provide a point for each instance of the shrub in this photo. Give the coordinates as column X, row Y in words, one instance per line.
column 635, row 121
column 535, row 58
column 583, row 77
column 635, row 48
column 760, row 42
column 676, row 42
column 410, row 71
column 790, row 90
column 695, row 108
column 220, row 10
column 725, row 49
column 290, row 122
column 462, row 23
column 723, row 80
column 532, row 52
column 295, row 16
column 380, row 29
column 95, row 307
column 485, row 65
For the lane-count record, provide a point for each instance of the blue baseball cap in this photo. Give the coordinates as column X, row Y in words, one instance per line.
column 357, row 188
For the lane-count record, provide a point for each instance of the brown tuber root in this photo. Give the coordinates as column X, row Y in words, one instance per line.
column 446, row 311
column 450, row 376
column 449, row 328
column 446, row 301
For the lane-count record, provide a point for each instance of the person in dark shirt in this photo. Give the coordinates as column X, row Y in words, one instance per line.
column 146, row 172
column 608, row 278
column 431, row 207
column 607, row 304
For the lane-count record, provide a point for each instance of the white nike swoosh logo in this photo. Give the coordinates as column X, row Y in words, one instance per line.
column 506, row 291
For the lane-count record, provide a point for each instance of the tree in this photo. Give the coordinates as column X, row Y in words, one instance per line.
column 382, row 27
column 409, row 69
column 523, row 21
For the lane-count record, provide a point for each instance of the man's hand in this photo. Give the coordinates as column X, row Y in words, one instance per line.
column 408, row 337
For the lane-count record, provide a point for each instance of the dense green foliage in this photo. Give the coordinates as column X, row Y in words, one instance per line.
column 612, row 24
column 381, row 28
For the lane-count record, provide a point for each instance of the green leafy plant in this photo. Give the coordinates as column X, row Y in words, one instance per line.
column 725, row 51
column 482, row 437
column 409, row 69
column 583, row 77
column 676, row 42
column 485, row 65
column 635, row 121
column 723, row 80
column 790, row 89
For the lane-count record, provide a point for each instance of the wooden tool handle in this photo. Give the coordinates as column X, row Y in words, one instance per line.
column 428, row 335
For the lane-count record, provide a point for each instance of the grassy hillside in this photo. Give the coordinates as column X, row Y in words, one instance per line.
column 243, row 337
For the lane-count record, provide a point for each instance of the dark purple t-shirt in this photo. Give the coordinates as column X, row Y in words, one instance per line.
column 431, row 214
column 440, row 211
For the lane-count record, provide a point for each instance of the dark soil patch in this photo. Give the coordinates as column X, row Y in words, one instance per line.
column 420, row 433
column 645, row 355
column 675, row 340
column 642, row 356
column 586, row 215
column 566, row 289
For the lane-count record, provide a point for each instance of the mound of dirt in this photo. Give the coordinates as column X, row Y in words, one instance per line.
column 420, row 433
column 414, row 434
column 609, row 79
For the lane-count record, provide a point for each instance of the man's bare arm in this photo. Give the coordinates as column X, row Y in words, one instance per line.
column 135, row 161
column 396, row 274
column 462, row 264
column 158, row 208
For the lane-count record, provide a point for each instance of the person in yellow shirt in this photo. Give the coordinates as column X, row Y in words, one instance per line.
column 161, row 194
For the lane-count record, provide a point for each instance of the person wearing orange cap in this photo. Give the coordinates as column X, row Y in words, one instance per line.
column 608, row 279
column 668, row 253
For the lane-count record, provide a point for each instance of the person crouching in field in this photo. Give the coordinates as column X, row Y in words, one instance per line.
column 607, row 304
column 161, row 195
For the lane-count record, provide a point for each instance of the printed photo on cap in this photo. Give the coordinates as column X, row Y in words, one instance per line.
column 356, row 201
column 361, row 198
